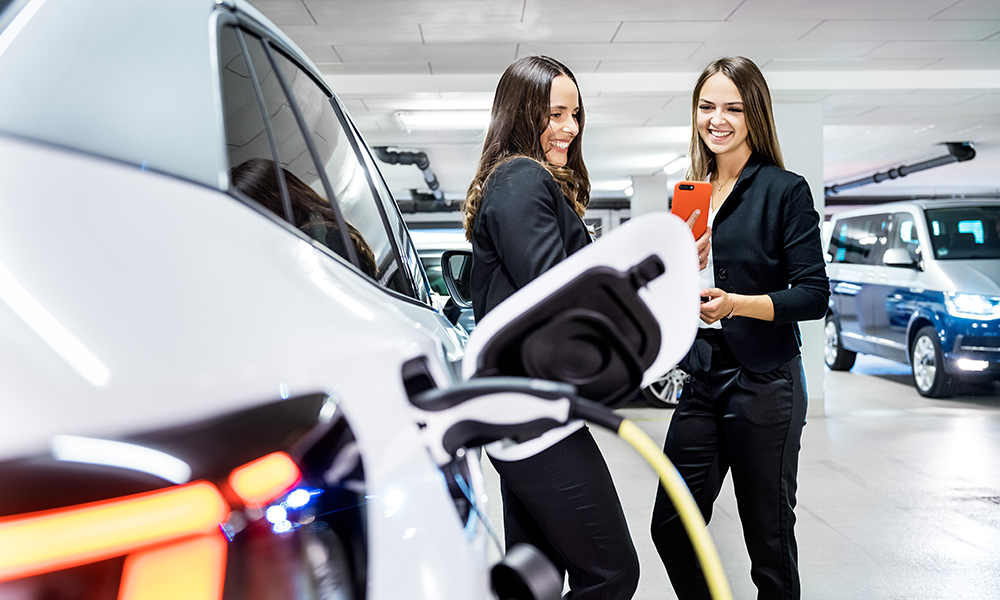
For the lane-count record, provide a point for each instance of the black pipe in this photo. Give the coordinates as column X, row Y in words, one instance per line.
column 957, row 152
column 396, row 157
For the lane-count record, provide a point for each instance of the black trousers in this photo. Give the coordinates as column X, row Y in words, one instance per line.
column 730, row 418
column 563, row 501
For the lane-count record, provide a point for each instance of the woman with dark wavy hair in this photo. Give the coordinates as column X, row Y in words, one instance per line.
column 523, row 214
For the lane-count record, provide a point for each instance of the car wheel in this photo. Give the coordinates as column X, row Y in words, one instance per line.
column 927, row 362
column 836, row 357
column 664, row 392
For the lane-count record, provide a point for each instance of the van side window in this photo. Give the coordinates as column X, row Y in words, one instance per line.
column 859, row 240
column 904, row 235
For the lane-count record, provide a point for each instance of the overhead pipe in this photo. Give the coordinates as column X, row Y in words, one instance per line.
column 957, row 152
column 397, row 157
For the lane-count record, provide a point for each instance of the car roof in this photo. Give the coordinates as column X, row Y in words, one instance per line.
column 919, row 204
column 142, row 86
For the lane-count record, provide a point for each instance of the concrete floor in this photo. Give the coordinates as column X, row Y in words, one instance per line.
column 899, row 496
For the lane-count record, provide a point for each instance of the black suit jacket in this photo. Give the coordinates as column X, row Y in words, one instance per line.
column 766, row 240
column 523, row 227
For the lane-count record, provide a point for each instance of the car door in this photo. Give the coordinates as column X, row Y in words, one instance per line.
column 854, row 244
column 892, row 295
column 320, row 177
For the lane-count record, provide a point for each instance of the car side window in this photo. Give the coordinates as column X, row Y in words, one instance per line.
column 859, row 240
column 404, row 244
column 904, row 235
column 348, row 177
column 248, row 141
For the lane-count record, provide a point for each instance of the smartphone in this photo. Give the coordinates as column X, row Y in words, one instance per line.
column 691, row 195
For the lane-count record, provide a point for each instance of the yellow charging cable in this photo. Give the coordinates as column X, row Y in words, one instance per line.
column 688, row 511
column 677, row 490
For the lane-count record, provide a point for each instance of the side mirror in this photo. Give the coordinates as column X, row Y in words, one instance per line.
column 898, row 257
column 456, row 269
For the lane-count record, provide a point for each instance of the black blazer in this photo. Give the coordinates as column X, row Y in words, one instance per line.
column 523, row 227
column 766, row 240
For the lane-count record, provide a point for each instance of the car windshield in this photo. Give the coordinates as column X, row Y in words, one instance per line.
column 965, row 232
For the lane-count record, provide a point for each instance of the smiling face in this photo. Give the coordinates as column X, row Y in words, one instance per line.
column 563, row 127
column 721, row 121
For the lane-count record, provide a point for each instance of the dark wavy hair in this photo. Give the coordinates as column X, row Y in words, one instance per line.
column 521, row 109
column 257, row 178
column 762, row 135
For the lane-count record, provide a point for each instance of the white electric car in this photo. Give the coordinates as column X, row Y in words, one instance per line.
column 205, row 359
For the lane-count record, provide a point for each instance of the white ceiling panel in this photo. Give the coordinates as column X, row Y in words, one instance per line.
column 797, row 10
column 762, row 52
column 387, row 68
column 699, row 31
column 971, row 9
column 953, row 50
column 648, row 66
column 380, row 53
column 633, row 10
column 559, row 32
column 361, row 33
column 909, row 30
column 850, row 64
column 458, row 66
column 615, row 51
column 456, row 12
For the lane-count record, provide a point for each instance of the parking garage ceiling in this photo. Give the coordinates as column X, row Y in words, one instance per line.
column 895, row 78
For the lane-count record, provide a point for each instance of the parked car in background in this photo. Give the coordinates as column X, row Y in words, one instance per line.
column 919, row 283
column 212, row 324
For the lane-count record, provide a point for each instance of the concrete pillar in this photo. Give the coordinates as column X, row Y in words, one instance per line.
column 800, row 133
column 649, row 194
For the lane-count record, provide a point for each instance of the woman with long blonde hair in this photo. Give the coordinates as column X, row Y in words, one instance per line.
column 765, row 272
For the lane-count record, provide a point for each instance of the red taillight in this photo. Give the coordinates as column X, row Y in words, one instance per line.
column 170, row 537
column 63, row 538
column 264, row 479
column 192, row 569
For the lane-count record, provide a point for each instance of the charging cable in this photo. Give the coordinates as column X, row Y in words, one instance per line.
column 673, row 483
column 484, row 410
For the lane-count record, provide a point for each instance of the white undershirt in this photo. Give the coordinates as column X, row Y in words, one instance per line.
column 706, row 277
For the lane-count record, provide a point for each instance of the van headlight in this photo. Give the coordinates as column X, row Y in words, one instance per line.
column 972, row 306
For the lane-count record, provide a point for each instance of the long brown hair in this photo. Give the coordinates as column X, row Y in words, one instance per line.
column 521, row 109
column 762, row 135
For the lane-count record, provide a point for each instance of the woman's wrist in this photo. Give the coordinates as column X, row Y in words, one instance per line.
column 733, row 310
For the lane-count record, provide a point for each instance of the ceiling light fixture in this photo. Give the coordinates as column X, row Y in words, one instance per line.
column 423, row 120
column 678, row 164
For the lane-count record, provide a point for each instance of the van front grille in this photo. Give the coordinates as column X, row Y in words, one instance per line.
column 980, row 343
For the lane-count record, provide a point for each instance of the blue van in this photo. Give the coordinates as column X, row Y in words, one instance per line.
column 919, row 283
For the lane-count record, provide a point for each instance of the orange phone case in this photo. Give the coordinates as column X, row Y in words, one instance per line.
column 689, row 195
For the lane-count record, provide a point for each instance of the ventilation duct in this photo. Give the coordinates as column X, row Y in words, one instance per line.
column 397, row 157
column 957, row 152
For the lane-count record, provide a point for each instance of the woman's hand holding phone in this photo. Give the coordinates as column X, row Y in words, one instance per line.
column 691, row 202
column 704, row 243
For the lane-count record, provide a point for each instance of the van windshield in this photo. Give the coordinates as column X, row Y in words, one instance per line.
column 965, row 232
